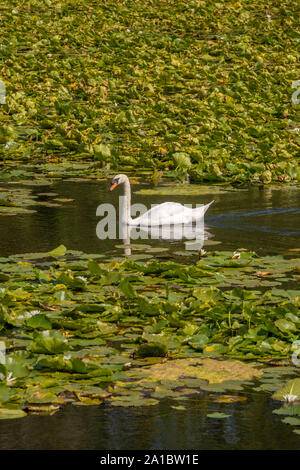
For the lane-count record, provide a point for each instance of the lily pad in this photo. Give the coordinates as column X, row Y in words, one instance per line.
column 291, row 388
column 11, row 413
column 59, row 251
column 50, row 341
column 218, row 415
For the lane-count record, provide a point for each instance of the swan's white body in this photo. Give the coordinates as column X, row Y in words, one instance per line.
column 167, row 213
column 170, row 213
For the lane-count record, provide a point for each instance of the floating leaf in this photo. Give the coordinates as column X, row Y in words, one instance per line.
column 40, row 322
column 11, row 413
column 292, row 421
column 285, row 325
column 218, row 415
column 127, row 288
column 59, row 251
column 291, row 388
column 50, row 341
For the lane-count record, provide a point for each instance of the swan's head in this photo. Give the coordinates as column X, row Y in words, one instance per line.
column 119, row 179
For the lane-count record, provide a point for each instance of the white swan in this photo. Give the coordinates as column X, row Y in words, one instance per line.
column 167, row 213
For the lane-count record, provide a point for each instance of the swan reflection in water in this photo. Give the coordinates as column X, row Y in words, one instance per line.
column 193, row 235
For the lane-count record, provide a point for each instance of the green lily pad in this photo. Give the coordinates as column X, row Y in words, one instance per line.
column 40, row 322
column 218, row 415
column 291, row 388
column 11, row 413
column 50, row 342
column 292, row 421
column 59, row 251
column 285, row 325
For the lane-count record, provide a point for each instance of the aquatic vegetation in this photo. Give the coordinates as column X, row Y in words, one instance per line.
column 20, row 200
column 186, row 190
column 290, row 412
column 166, row 86
column 207, row 369
column 217, row 415
column 16, row 200
column 80, row 330
column 290, row 392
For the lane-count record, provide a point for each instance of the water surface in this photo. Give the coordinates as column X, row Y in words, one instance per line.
column 251, row 426
column 264, row 220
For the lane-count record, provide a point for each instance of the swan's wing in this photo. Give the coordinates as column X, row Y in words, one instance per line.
column 160, row 214
column 170, row 213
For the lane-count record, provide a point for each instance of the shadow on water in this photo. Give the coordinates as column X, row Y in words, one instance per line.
column 265, row 220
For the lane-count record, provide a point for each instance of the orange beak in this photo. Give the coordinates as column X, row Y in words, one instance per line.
column 113, row 186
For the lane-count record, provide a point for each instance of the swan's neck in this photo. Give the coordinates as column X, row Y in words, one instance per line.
column 127, row 202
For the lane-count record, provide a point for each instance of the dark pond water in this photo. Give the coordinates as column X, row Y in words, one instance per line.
column 251, row 426
column 266, row 220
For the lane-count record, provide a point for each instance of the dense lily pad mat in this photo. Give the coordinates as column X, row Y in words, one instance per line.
column 80, row 330
column 193, row 85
